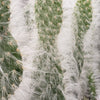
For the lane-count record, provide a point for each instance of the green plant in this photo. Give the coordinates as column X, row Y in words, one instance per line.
column 10, row 57
column 49, row 77
column 83, row 16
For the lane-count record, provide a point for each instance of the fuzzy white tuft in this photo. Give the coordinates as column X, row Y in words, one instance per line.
column 66, row 45
column 91, row 43
column 27, row 42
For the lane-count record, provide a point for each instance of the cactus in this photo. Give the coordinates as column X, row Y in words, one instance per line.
column 58, row 50
column 92, row 88
column 49, row 77
column 83, row 15
column 10, row 57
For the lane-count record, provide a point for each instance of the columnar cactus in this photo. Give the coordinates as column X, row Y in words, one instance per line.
column 83, row 15
column 10, row 57
column 49, row 77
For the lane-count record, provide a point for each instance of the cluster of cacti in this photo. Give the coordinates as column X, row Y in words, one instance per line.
column 10, row 57
column 58, row 41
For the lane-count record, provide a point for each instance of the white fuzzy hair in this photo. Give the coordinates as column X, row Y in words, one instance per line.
column 27, row 42
column 27, row 39
column 91, row 43
column 66, row 45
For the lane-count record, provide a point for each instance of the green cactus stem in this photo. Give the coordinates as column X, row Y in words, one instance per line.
column 83, row 15
column 49, row 78
column 10, row 57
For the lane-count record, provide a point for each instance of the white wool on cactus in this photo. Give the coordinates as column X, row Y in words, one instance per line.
column 91, row 47
column 37, row 43
column 66, row 45
column 27, row 42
